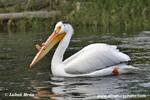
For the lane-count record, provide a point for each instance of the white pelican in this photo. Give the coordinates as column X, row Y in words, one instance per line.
column 93, row 60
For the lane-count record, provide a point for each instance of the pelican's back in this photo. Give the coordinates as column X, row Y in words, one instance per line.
column 94, row 57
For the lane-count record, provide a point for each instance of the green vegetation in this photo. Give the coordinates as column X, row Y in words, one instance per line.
column 120, row 13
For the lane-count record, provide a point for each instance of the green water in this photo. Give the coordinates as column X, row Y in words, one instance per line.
column 18, row 79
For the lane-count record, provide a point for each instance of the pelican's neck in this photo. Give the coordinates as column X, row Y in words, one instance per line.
column 57, row 66
column 58, row 55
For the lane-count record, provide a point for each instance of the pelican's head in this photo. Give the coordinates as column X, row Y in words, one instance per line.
column 61, row 29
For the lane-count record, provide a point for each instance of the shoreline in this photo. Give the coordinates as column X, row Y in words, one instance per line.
column 79, row 13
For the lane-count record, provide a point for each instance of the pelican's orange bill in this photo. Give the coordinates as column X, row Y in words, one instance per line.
column 48, row 45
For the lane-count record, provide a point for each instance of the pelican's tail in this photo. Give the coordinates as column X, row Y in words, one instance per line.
column 123, row 68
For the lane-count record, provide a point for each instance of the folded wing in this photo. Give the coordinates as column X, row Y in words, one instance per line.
column 94, row 57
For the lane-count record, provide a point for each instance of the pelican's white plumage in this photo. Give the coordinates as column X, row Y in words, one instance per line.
column 94, row 57
column 93, row 60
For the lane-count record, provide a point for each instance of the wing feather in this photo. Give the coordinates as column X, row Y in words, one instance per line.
column 94, row 57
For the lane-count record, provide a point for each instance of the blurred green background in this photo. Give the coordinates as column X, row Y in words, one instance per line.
column 120, row 13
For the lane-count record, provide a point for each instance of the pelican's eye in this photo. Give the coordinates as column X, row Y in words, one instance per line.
column 58, row 29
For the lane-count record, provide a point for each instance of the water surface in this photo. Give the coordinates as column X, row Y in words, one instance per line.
column 18, row 50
